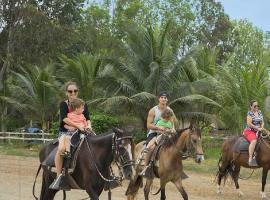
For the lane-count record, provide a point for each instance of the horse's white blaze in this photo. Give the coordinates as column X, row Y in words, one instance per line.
column 129, row 149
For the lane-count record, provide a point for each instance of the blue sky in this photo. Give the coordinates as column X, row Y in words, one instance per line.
column 255, row 11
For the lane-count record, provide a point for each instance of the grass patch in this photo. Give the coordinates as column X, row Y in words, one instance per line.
column 19, row 150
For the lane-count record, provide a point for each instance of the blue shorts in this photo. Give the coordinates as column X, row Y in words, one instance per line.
column 150, row 137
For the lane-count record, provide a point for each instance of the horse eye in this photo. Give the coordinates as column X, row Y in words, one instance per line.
column 194, row 141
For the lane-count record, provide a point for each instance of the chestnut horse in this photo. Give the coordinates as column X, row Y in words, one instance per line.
column 93, row 163
column 170, row 162
column 230, row 161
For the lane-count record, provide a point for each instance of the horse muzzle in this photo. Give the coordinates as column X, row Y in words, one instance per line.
column 199, row 158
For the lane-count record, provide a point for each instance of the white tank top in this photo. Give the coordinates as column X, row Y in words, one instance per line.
column 157, row 117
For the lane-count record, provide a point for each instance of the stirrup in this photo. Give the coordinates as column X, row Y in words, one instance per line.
column 253, row 163
column 66, row 154
column 147, row 172
column 59, row 184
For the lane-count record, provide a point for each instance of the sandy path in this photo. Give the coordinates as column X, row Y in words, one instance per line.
column 17, row 175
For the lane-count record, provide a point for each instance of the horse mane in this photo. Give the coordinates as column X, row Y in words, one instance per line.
column 104, row 135
column 172, row 140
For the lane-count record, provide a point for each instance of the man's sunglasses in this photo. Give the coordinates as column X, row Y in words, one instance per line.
column 70, row 91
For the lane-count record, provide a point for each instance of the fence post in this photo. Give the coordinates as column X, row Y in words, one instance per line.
column 43, row 137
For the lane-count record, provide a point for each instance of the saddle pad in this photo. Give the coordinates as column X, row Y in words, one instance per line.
column 241, row 145
column 75, row 142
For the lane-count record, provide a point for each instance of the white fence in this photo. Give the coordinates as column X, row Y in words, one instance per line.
column 9, row 136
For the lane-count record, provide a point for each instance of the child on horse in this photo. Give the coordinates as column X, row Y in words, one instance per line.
column 165, row 125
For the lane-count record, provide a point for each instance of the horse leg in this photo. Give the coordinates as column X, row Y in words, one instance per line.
column 223, row 166
column 92, row 193
column 162, row 194
column 133, row 187
column 235, row 176
column 264, row 177
column 179, row 186
column 46, row 193
column 146, row 189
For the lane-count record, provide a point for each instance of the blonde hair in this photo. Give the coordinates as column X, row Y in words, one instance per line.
column 167, row 113
column 76, row 103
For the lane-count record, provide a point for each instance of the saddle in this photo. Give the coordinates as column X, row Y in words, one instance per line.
column 69, row 163
column 241, row 145
column 155, row 157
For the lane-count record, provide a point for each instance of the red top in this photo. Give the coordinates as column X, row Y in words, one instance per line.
column 79, row 120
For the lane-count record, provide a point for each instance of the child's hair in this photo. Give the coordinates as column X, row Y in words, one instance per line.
column 167, row 113
column 76, row 103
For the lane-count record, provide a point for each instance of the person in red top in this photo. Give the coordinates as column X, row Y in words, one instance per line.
column 76, row 117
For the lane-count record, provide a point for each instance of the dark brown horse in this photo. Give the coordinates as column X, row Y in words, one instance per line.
column 93, row 163
column 170, row 162
column 230, row 161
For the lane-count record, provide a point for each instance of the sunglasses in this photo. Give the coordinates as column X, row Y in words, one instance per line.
column 256, row 106
column 71, row 91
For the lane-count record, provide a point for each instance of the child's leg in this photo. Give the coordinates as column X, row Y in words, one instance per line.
column 151, row 146
column 67, row 143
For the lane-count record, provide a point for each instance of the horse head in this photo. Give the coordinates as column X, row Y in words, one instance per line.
column 123, row 150
column 194, row 143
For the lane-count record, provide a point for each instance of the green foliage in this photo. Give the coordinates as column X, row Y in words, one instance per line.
column 139, row 136
column 102, row 122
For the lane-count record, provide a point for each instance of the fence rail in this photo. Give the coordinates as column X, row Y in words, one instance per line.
column 9, row 136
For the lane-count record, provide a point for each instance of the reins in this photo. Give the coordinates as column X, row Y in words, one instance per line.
column 95, row 164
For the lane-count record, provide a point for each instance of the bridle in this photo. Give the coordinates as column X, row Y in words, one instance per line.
column 191, row 145
column 263, row 136
column 117, row 157
column 117, row 143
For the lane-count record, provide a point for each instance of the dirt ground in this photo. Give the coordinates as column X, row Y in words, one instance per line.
column 17, row 176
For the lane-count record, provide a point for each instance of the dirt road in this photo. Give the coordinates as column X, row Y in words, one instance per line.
column 17, row 175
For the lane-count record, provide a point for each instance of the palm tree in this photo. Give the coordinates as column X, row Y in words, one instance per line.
column 149, row 67
column 83, row 69
column 37, row 88
column 240, row 86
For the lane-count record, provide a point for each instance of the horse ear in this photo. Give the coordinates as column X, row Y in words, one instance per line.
column 118, row 131
column 193, row 123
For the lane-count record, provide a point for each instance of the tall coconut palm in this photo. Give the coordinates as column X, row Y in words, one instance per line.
column 37, row 88
column 83, row 69
column 149, row 67
column 240, row 86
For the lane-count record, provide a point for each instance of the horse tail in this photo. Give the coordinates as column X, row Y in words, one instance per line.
column 134, row 186
column 225, row 165
column 33, row 190
column 157, row 192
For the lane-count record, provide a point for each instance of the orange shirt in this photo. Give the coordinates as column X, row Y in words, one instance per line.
column 79, row 120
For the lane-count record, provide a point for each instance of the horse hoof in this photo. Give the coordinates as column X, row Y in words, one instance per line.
column 240, row 193
column 263, row 196
column 218, row 190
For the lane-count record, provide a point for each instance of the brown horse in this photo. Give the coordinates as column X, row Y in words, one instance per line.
column 230, row 161
column 92, row 170
column 170, row 162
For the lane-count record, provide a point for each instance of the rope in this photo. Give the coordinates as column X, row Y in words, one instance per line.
column 246, row 178
column 91, row 153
